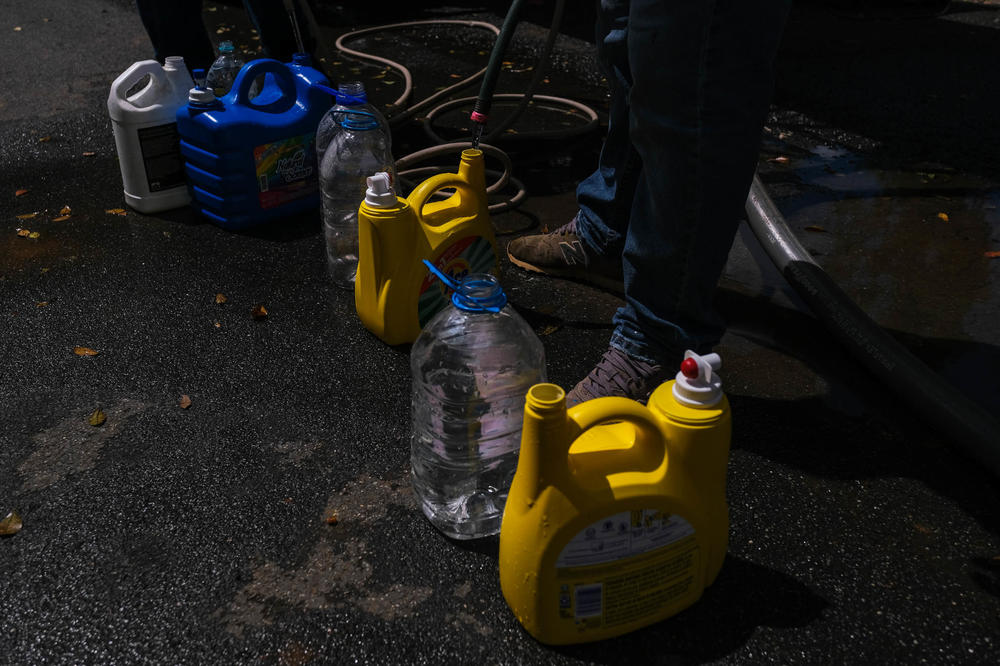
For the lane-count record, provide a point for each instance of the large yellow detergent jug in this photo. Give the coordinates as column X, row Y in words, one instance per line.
column 617, row 515
column 393, row 292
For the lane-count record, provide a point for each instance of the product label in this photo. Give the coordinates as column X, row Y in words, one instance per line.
column 286, row 170
column 625, row 568
column 161, row 156
column 472, row 254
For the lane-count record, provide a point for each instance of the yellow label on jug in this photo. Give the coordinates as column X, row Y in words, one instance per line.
column 624, row 567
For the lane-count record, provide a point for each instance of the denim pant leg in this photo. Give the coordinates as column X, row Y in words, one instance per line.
column 702, row 77
column 605, row 196
column 274, row 25
column 175, row 28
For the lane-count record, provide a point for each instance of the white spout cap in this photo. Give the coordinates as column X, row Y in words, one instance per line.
column 379, row 193
column 697, row 384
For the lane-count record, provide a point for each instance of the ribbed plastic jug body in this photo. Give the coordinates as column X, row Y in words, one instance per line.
column 357, row 150
column 470, row 371
column 146, row 134
column 253, row 160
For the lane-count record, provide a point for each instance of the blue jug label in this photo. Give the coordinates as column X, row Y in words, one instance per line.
column 472, row 254
column 628, row 567
column 286, row 170
column 161, row 156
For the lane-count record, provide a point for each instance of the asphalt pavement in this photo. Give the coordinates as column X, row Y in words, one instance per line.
column 191, row 526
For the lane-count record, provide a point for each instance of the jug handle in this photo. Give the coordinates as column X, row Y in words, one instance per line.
column 419, row 196
column 130, row 76
column 284, row 78
column 596, row 412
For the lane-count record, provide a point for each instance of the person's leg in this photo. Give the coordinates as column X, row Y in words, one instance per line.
column 589, row 247
column 176, row 28
column 274, row 25
column 605, row 197
column 702, row 80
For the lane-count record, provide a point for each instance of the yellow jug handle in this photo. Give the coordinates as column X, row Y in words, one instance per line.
column 419, row 196
column 604, row 410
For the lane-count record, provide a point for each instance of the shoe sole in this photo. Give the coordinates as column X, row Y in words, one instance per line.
column 597, row 280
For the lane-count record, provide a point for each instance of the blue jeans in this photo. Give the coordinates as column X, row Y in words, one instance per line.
column 691, row 82
column 175, row 28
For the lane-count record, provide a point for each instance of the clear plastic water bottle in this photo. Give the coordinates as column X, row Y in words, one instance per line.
column 352, row 97
column 223, row 71
column 357, row 149
column 471, row 367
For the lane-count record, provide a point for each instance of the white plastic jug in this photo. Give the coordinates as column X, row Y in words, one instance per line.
column 145, row 127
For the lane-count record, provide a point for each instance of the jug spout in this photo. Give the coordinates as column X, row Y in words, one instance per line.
column 544, row 430
column 472, row 168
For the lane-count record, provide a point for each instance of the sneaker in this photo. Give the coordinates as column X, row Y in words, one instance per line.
column 618, row 374
column 562, row 253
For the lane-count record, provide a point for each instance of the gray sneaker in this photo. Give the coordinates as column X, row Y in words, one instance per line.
column 562, row 253
column 618, row 374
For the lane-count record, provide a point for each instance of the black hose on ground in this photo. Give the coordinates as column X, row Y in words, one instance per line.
column 963, row 422
column 481, row 111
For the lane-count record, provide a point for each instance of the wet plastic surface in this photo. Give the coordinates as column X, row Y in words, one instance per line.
column 203, row 534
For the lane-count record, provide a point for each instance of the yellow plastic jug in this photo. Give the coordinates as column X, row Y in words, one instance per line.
column 393, row 292
column 617, row 515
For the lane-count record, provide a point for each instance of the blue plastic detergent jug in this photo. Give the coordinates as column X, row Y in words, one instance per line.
column 248, row 161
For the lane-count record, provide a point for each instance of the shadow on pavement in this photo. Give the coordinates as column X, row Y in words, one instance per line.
column 744, row 597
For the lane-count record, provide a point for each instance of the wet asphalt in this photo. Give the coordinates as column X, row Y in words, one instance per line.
column 199, row 535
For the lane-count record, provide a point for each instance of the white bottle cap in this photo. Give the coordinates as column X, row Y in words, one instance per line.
column 697, row 384
column 201, row 95
column 379, row 193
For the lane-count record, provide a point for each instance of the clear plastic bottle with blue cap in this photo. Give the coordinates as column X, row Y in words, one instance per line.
column 223, row 71
column 350, row 96
column 471, row 367
column 359, row 148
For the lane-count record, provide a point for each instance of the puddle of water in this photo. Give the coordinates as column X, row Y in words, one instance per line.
column 907, row 244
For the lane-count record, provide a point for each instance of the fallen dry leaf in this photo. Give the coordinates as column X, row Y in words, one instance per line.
column 27, row 216
column 89, row 153
column 34, row 234
column 184, row 402
column 220, row 298
column 97, row 418
column 814, row 227
column 66, row 210
column 85, row 351
column 116, row 211
column 943, row 217
column 332, row 519
column 41, row 304
column 18, row 193
column 550, row 329
column 24, row 233
column 11, row 524
column 61, row 218
column 45, row 139
column 258, row 312
column 992, row 254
